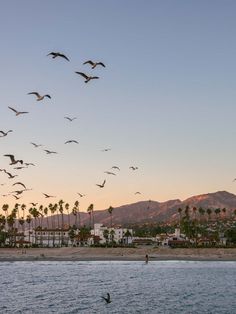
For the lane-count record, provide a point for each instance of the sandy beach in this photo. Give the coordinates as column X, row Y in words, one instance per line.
column 116, row 254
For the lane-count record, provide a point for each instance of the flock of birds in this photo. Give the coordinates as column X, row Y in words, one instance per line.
column 20, row 164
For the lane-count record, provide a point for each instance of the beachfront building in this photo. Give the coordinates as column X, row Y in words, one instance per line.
column 176, row 239
column 50, row 237
column 108, row 235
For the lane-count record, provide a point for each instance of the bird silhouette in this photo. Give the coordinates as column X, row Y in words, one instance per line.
column 29, row 164
column 109, row 172
column 50, row 151
column 16, row 197
column 36, row 145
column 108, row 298
column 101, row 185
column 5, row 133
column 57, row 54
column 39, row 97
column 71, row 141
column 94, row 64
column 133, row 168
column 34, row 204
column 115, row 167
column 10, row 176
column 20, row 183
column 137, row 193
column 105, row 149
column 47, row 195
column 17, row 112
column 81, row 195
column 13, row 160
column 87, row 77
column 70, row 119
column 18, row 192
column 19, row 168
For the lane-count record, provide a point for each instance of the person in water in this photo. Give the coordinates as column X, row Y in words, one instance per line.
column 146, row 258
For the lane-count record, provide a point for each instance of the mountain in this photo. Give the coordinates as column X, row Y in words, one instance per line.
column 153, row 211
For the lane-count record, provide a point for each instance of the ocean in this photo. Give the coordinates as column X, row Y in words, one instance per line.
column 135, row 287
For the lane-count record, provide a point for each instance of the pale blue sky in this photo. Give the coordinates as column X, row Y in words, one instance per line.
column 165, row 101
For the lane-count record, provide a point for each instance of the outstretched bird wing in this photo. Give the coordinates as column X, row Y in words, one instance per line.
column 20, row 184
column 89, row 62
column 63, row 56
column 11, row 157
column 13, row 109
column 102, row 64
column 82, row 74
column 34, row 93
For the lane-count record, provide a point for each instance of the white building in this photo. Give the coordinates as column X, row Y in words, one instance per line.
column 49, row 237
column 118, row 235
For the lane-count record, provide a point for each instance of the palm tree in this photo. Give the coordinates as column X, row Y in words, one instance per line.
column 194, row 212
column 217, row 212
column 5, row 208
column 112, row 235
column 28, row 220
column 60, row 203
column 201, row 212
column 23, row 207
column 76, row 213
column 127, row 235
column 106, row 235
column 209, row 212
column 110, row 210
column 89, row 211
column 180, row 214
column 224, row 212
column 2, row 222
column 45, row 212
column 67, row 206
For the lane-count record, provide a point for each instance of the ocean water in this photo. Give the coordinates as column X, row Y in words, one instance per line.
column 135, row 287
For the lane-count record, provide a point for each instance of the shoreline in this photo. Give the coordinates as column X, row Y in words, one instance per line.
column 116, row 254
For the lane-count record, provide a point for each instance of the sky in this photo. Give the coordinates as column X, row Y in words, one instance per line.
column 165, row 102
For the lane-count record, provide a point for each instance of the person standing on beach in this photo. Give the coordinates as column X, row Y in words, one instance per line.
column 146, row 258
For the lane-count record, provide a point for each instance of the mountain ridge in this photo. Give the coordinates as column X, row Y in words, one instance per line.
column 151, row 211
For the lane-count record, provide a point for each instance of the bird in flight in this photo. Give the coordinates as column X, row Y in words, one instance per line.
column 16, row 197
column 133, row 168
column 34, row 204
column 5, row 133
column 87, row 77
column 47, row 196
column 36, row 145
column 137, row 193
column 109, row 172
column 101, row 185
column 39, row 97
column 57, row 54
column 71, row 141
column 17, row 112
column 70, row 119
column 29, row 164
column 94, row 64
column 13, row 160
column 115, row 167
column 50, row 151
column 19, row 168
column 20, row 183
column 105, row 149
column 18, row 192
column 10, row 176
column 108, row 298
column 81, row 195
